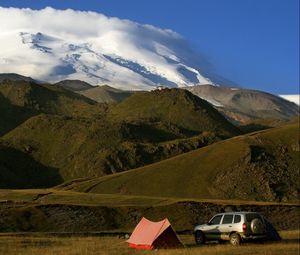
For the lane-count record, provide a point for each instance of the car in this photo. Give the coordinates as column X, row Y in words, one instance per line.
column 235, row 227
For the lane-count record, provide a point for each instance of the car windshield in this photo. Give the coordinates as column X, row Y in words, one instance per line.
column 215, row 220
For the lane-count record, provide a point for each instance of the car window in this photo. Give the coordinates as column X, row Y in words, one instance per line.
column 237, row 218
column 216, row 220
column 228, row 218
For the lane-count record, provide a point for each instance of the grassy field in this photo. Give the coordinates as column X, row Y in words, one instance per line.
column 57, row 210
column 48, row 245
column 59, row 196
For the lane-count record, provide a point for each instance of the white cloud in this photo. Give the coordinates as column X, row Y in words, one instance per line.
column 292, row 98
column 93, row 47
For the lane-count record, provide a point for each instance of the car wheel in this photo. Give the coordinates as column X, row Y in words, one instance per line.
column 199, row 238
column 235, row 239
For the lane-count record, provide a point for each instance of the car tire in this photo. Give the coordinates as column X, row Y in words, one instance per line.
column 235, row 239
column 199, row 238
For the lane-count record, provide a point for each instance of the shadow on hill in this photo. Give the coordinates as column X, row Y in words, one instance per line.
column 19, row 170
column 252, row 127
column 151, row 132
column 12, row 115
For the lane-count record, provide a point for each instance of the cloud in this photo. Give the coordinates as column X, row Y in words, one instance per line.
column 292, row 98
column 50, row 44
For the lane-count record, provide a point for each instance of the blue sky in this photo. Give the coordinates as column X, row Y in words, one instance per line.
column 253, row 42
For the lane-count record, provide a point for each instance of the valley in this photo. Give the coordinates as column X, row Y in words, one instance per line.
column 93, row 160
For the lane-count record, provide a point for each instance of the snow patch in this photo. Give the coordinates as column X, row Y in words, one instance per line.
column 52, row 45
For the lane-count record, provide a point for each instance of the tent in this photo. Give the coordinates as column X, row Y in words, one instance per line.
column 149, row 235
column 272, row 234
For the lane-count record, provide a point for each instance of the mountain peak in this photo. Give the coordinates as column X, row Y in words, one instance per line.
column 116, row 52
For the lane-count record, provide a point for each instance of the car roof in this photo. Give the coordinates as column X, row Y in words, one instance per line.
column 236, row 213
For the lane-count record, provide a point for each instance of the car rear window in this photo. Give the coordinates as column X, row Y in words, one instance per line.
column 227, row 219
column 216, row 220
column 237, row 218
column 251, row 216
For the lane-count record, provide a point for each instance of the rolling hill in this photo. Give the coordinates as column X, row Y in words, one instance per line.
column 106, row 94
column 258, row 166
column 177, row 109
column 14, row 77
column 239, row 105
column 45, row 98
column 80, row 138
column 243, row 105
column 20, row 100
column 74, row 85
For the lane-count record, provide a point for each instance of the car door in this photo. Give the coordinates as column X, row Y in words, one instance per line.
column 226, row 226
column 212, row 230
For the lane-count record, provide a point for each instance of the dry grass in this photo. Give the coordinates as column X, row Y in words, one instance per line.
column 59, row 196
column 36, row 245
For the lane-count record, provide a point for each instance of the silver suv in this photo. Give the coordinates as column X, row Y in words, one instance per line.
column 233, row 226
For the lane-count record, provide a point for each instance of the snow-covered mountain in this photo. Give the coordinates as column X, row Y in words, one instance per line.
column 52, row 45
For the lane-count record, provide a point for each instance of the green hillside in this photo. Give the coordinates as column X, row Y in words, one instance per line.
column 80, row 138
column 12, row 115
column 258, row 166
column 86, row 148
column 106, row 94
column 19, row 169
column 46, row 98
column 74, row 85
column 177, row 109
column 20, row 100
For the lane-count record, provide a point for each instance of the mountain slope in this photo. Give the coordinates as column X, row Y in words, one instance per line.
column 177, row 109
column 74, row 85
column 12, row 115
column 14, row 77
column 116, row 139
column 19, row 169
column 46, row 98
column 243, row 105
column 116, row 52
column 20, row 100
column 106, row 94
column 258, row 166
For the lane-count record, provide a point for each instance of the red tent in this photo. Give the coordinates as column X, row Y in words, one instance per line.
column 149, row 235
